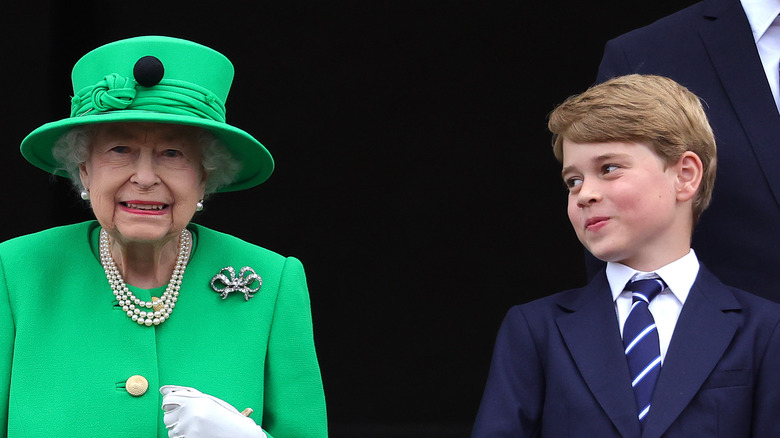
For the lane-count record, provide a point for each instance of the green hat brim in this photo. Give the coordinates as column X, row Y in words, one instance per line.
column 256, row 162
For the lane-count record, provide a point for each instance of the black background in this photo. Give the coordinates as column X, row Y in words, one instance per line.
column 414, row 173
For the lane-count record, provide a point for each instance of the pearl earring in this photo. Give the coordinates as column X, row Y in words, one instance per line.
column 199, row 205
column 85, row 195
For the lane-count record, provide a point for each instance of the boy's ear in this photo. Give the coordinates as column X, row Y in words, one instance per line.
column 689, row 171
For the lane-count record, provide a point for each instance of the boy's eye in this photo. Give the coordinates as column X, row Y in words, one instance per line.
column 572, row 183
column 609, row 168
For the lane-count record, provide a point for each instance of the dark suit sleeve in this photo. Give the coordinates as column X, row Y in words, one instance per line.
column 766, row 406
column 513, row 397
column 613, row 63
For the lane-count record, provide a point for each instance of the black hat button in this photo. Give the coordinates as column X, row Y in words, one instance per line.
column 148, row 71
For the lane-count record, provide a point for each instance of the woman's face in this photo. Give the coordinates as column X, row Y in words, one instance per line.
column 144, row 179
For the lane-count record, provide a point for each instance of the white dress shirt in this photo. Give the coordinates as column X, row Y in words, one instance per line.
column 679, row 277
column 765, row 24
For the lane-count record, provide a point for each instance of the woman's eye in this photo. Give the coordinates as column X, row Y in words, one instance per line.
column 120, row 149
column 172, row 153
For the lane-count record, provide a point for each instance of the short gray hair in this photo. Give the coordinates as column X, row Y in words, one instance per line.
column 73, row 148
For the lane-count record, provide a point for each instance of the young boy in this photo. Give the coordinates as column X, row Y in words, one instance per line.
column 638, row 159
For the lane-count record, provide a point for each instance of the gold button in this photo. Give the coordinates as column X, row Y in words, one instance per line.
column 136, row 386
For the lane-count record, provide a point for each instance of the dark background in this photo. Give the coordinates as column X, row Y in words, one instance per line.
column 414, row 174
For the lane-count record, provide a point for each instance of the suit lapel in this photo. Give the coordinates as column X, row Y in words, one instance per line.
column 701, row 336
column 592, row 336
column 727, row 37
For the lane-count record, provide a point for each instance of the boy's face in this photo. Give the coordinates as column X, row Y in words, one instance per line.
column 623, row 203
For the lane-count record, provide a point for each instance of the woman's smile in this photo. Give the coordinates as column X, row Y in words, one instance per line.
column 144, row 207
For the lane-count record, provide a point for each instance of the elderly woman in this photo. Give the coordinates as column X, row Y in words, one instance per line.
column 97, row 316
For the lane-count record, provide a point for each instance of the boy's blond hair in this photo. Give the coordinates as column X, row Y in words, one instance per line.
column 652, row 110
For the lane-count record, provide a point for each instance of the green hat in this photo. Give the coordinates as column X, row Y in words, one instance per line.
column 154, row 79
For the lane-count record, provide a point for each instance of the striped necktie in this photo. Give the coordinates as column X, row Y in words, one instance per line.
column 640, row 338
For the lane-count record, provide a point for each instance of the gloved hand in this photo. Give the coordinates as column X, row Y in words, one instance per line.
column 190, row 413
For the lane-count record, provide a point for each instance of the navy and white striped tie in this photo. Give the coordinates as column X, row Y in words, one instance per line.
column 640, row 338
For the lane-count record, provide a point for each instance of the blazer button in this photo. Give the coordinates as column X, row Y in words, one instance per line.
column 136, row 386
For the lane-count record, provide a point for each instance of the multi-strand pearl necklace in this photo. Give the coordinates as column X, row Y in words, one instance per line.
column 158, row 309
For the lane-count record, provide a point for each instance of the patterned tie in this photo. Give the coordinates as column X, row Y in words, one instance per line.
column 640, row 338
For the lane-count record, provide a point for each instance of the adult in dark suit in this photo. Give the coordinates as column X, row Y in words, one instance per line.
column 710, row 49
column 639, row 160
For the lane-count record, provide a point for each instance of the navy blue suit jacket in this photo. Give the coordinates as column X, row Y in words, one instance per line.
column 709, row 48
column 558, row 369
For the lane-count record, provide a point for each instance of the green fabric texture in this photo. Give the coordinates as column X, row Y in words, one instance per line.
column 67, row 351
column 115, row 92
column 193, row 91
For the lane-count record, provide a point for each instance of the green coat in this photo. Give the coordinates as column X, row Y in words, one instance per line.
column 67, row 350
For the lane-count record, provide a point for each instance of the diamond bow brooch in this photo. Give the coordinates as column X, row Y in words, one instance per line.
column 246, row 282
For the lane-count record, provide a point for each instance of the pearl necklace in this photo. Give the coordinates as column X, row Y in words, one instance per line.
column 158, row 309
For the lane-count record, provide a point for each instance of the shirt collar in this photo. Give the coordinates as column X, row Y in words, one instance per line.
column 760, row 15
column 678, row 275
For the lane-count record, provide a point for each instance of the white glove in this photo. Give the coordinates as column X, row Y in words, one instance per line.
column 190, row 413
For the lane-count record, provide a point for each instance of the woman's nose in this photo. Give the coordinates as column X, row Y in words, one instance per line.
column 145, row 172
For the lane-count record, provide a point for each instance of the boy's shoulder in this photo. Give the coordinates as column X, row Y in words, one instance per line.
column 595, row 295
column 730, row 299
column 753, row 308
